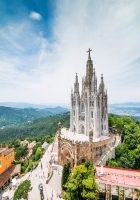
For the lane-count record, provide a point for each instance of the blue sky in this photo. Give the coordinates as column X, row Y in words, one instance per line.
column 43, row 44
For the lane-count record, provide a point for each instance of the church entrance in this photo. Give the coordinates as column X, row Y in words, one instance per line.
column 67, row 155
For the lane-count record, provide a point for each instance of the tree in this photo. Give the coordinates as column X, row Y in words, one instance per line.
column 120, row 150
column 81, row 184
column 21, row 152
column 22, row 190
column 38, row 153
column 65, row 175
column 112, row 163
column 127, row 153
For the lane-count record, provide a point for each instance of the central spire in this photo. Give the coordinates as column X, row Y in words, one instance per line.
column 89, row 50
column 89, row 69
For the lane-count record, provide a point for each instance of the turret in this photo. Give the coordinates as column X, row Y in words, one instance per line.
column 76, row 85
column 71, row 94
column 101, row 86
column 94, row 82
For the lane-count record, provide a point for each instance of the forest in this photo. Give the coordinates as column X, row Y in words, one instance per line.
column 127, row 154
column 39, row 127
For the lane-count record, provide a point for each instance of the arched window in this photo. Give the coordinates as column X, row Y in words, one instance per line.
column 92, row 103
column 91, row 114
column 82, row 107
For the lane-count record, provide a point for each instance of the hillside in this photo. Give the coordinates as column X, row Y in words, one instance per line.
column 17, row 116
column 41, row 126
column 127, row 154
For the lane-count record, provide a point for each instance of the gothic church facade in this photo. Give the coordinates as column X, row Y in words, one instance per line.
column 88, row 137
column 89, row 109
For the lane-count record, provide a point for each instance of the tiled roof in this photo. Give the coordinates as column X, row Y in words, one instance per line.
column 118, row 176
column 5, row 151
column 13, row 170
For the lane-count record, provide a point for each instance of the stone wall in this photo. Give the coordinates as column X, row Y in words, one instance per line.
column 78, row 152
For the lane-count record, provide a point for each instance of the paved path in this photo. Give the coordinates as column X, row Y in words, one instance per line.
column 55, row 181
column 40, row 174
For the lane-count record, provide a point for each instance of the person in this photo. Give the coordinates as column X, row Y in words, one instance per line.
column 52, row 195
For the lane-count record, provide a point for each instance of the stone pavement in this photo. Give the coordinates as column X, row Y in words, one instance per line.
column 40, row 174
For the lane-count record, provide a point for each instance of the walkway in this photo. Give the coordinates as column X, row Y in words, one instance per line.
column 40, row 175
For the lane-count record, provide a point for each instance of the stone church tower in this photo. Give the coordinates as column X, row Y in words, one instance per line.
column 89, row 107
column 88, row 137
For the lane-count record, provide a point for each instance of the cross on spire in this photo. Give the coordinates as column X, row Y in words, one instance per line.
column 89, row 50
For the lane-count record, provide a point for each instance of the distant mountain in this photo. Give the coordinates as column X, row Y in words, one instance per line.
column 26, row 113
column 131, row 109
column 126, row 104
column 18, row 116
column 30, row 105
column 56, row 110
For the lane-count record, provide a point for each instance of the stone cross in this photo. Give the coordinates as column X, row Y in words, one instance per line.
column 89, row 50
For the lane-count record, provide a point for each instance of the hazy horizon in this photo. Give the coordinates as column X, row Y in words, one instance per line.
column 64, row 105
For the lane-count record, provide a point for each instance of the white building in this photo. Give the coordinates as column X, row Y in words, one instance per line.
column 89, row 108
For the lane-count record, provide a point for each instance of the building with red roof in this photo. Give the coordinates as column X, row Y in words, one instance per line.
column 114, row 182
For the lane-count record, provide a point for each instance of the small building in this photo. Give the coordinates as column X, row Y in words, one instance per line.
column 31, row 145
column 45, row 145
column 6, row 177
column 24, row 143
column 116, row 183
column 7, row 168
column 7, row 156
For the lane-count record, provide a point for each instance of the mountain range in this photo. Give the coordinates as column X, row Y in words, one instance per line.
column 22, row 113
column 18, row 116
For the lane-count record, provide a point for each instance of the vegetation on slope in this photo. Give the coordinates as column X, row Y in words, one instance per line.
column 18, row 116
column 127, row 154
column 22, row 190
column 41, row 126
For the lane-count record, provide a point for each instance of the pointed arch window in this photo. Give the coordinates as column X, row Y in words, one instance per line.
column 91, row 114
column 82, row 107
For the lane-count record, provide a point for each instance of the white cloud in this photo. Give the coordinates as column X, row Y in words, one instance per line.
column 35, row 16
column 34, row 70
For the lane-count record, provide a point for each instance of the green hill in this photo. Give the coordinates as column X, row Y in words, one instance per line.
column 17, row 116
column 41, row 126
column 127, row 154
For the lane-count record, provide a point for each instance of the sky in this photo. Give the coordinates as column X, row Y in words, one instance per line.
column 43, row 43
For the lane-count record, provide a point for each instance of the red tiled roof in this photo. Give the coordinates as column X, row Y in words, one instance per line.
column 9, row 173
column 118, row 176
column 5, row 151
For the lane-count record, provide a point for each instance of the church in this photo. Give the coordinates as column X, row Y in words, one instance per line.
column 88, row 137
column 89, row 109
